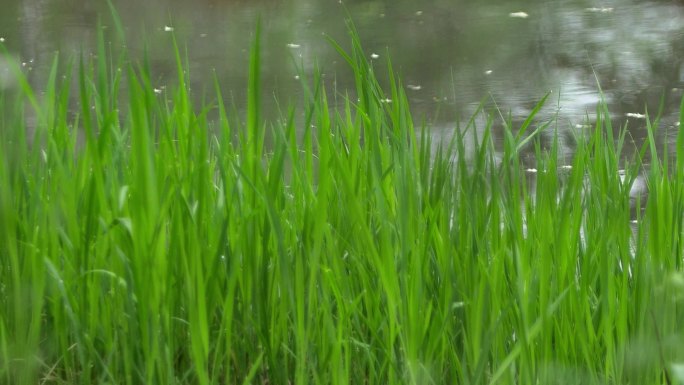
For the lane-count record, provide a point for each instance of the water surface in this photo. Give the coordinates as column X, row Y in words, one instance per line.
column 450, row 54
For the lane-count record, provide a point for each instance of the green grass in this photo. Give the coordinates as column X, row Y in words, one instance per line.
column 143, row 242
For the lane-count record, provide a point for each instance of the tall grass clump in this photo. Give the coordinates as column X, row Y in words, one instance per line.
column 143, row 241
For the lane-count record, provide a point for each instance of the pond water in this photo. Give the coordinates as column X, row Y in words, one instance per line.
column 450, row 53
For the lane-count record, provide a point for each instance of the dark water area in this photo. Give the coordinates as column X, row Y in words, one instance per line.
column 451, row 55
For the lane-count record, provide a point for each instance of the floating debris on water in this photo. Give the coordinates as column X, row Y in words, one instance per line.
column 2, row 39
column 419, row 13
column 488, row 72
column 293, row 45
column 168, row 28
column 413, row 87
column 566, row 167
column 374, row 56
column 519, row 15
column 599, row 10
column 203, row 35
column 296, row 77
column 635, row 115
column 531, row 170
column 386, row 100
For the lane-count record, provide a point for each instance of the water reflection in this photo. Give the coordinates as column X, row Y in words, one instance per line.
column 451, row 54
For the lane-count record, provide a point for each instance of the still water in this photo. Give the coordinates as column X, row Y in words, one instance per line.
column 451, row 54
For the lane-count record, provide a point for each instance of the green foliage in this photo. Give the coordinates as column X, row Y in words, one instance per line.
column 142, row 241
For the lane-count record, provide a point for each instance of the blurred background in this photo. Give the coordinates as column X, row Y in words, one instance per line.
column 451, row 54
